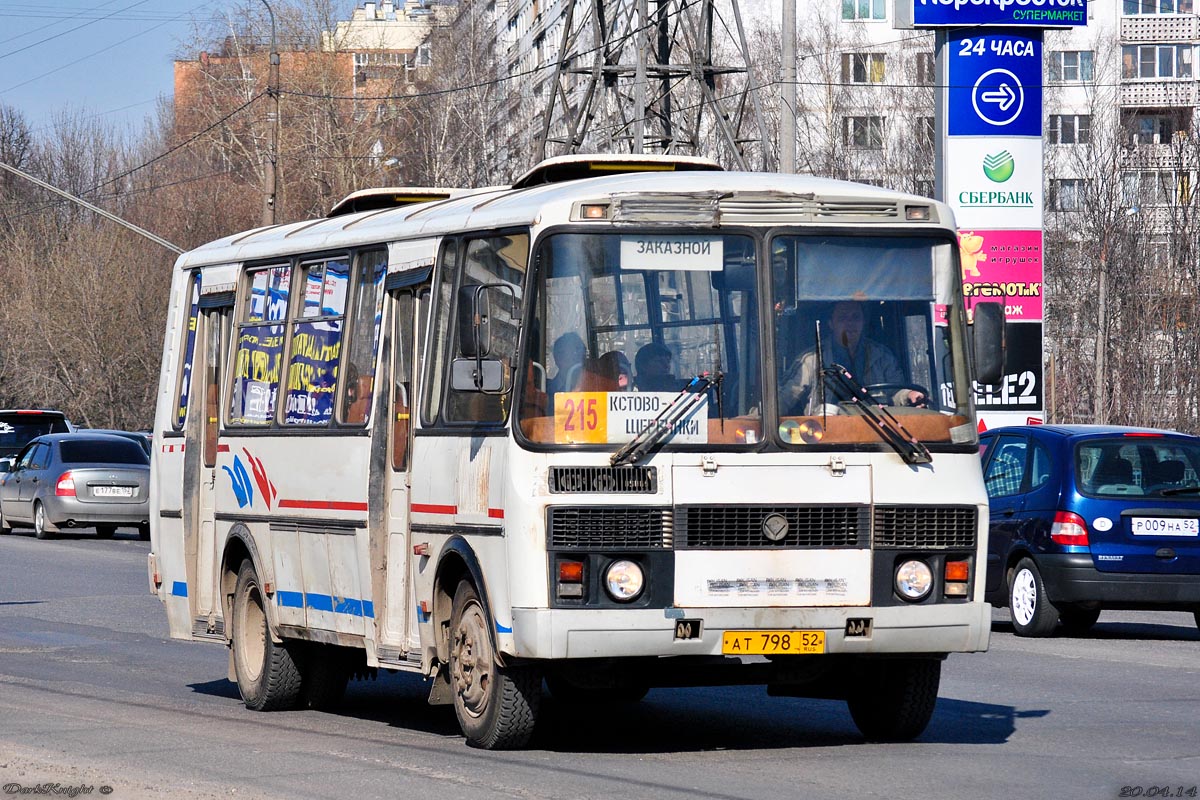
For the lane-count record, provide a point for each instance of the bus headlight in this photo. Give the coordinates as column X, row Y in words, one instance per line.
column 914, row 579
column 624, row 580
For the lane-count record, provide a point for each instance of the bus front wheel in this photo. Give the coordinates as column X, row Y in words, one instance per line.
column 268, row 678
column 893, row 699
column 496, row 706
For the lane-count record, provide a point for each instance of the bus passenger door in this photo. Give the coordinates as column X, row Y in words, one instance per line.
column 200, row 471
column 399, row 613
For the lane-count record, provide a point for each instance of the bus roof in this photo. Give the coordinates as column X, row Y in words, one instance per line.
column 709, row 198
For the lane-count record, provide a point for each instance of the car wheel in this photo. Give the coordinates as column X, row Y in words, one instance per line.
column 893, row 699
column 1078, row 620
column 496, row 706
column 105, row 531
column 1032, row 613
column 5, row 528
column 39, row 521
column 267, row 676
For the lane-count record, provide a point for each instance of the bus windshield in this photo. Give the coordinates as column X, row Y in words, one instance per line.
column 869, row 341
column 623, row 322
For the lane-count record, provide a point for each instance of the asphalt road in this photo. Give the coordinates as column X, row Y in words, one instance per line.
column 93, row 694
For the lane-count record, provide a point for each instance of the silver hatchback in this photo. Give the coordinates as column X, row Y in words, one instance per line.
column 77, row 480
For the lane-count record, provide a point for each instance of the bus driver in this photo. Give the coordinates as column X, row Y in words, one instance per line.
column 868, row 361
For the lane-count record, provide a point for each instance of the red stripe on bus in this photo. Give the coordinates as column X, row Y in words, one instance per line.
column 222, row 448
column 328, row 505
column 495, row 513
column 422, row 508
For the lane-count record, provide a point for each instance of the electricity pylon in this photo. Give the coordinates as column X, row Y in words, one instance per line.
column 655, row 76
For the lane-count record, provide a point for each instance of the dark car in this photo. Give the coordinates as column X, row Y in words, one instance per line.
column 1086, row 518
column 77, row 480
column 18, row 426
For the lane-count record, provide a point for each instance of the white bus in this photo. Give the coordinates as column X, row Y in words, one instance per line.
column 556, row 432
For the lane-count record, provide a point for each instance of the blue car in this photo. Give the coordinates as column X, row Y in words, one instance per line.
column 1090, row 517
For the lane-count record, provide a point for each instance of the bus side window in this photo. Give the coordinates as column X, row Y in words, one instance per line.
column 312, row 374
column 259, row 353
column 364, row 330
column 189, row 350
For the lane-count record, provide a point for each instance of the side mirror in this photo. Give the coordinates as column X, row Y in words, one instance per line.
column 474, row 326
column 987, row 342
column 6, row 465
column 477, row 375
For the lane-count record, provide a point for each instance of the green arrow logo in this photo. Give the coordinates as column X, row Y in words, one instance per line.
column 999, row 167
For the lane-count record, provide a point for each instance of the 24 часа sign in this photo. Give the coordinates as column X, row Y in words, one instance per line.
column 1009, row 13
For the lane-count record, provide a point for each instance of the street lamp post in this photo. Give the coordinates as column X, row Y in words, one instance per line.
column 270, row 171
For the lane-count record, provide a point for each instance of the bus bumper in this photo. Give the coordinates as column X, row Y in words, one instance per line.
column 604, row 633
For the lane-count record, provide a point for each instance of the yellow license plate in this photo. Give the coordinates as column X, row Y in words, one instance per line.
column 770, row 643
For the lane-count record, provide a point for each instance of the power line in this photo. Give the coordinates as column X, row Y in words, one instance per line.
column 72, row 30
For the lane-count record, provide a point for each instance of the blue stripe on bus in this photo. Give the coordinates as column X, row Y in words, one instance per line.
column 179, row 589
column 324, row 602
column 290, row 599
column 318, row 602
column 501, row 629
column 348, row 605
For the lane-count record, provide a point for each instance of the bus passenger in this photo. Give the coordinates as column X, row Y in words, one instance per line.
column 868, row 361
column 569, row 352
column 654, row 369
column 616, row 364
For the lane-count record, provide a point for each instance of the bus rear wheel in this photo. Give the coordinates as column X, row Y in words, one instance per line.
column 267, row 676
column 496, row 706
column 893, row 699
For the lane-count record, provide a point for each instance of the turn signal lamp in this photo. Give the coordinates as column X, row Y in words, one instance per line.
column 1069, row 529
column 65, row 486
column 957, row 575
column 570, row 579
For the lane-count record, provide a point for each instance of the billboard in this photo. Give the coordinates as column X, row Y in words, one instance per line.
column 1008, row 13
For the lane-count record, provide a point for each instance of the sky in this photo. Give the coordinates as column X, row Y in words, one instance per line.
column 112, row 59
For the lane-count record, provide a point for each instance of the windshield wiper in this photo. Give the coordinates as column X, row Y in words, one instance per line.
column 1180, row 490
column 886, row 425
column 662, row 425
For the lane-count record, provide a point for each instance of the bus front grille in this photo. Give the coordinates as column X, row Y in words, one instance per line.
column 607, row 480
column 925, row 527
column 610, row 528
column 759, row 527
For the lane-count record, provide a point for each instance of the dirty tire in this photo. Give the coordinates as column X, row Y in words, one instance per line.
column 40, row 529
column 1031, row 610
column 893, row 699
column 105, row 531
column 496, row 706
column 267, row 676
